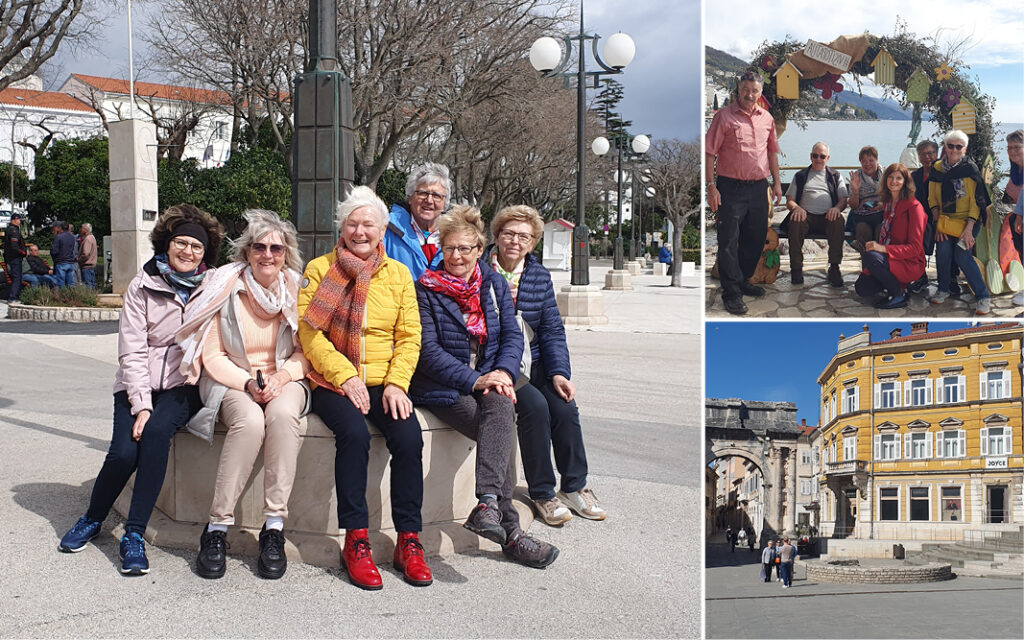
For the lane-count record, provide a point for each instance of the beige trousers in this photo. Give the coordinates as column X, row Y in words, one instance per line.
column 251, row 426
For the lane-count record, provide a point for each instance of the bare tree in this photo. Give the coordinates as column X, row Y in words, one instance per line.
column 30, row 33
column 675, row 176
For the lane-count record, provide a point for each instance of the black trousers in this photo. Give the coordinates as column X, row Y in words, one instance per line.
column 545, row 422
column 742, row 229
column 352, row 454
column 767, row 571
column 877, row 264
column 14, row 267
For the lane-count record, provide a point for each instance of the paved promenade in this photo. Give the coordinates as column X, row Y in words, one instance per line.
column 629, row 576
column 740, row 605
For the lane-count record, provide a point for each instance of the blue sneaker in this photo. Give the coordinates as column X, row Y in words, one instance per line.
column 133, row 555
column 80, row 534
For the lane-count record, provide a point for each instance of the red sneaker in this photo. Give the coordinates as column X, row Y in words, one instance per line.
column 358, row 562
column 409, row 559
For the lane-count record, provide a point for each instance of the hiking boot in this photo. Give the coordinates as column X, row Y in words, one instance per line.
column 551, row 511
column 273, row 562
column 529, row 551
column 797, row 276
column 753, row 291
column 984, row 307
column 212, row 559
column 79, row 535
column 835, row 278
column 583, row 503
column 357, row 560
column 133, row 555
column 485, row 521
column 409, row 560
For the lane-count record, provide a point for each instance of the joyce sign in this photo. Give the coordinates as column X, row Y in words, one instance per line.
column 831, row 57
column 996, row 463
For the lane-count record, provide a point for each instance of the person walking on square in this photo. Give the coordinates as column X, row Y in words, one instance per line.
column 741, row 150
column 816, row 199
column 768, row 561
column 14, row 251
column 741, row 537
column 787, row 553
column 151, row 398
column 751, row 538
column 87, row 255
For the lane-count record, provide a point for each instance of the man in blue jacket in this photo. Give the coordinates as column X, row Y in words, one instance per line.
column 63, row 253
column 410, row 237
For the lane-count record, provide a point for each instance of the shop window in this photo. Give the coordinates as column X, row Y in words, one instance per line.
column 889, row 503
column 952, row 504
column 919, row 503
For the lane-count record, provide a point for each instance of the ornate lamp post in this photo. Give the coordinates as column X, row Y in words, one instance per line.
column 546, row 56
column 638, row 145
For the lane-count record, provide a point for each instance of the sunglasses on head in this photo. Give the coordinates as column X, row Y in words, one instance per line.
column 275, row 249
column 950, row 145
column 819, row 156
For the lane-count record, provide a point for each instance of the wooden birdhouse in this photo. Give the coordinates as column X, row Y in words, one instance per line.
column 917, row 86
column 787, row 81
column 885, row 68
column 964, row 114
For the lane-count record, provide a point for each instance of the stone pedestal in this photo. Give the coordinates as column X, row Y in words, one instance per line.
column 659, row 269
column 133, row 197
column 634, row 268
column 581, row 305
column 311, row 528
column 618, row 280
column 688, row 268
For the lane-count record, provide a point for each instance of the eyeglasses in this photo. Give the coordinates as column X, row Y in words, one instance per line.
column 463, row 250
column 197, row 248
column 950, row 145
column 276, row 250
column 509, row 236
column 436, row 197
column 819, row 156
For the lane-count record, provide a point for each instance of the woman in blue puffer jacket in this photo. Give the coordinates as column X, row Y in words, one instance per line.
column 470, row 353
column 547, row 413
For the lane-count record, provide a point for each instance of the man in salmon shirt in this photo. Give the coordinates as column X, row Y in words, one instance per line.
column 742, row 139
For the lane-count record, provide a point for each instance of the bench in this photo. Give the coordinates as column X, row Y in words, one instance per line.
column 182, row 510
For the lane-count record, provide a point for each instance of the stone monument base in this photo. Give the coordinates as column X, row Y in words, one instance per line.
column 634, row 267
column 581, row 305
column 618, row 280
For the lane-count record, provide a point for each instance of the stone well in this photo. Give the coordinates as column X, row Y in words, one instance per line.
column 851, row 571
column 311, row 528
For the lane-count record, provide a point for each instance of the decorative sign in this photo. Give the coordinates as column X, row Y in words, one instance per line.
column 826, row 55
column 943, row 72
column 996, row 463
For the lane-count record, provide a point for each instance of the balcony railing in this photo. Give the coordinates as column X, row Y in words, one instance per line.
column 846, row 467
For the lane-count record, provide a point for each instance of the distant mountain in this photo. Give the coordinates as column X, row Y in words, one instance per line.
column 720, row 61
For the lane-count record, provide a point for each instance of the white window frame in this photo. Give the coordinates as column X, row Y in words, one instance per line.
column 987, row 386
column 1006, row 438
column 910, row 501
column 851, row 399
column 881, row 393
column 899, row 503
column 849, row 446
column 959, row 437
column 925, row 442
column 908, row 392
column 896, row 446
column 833, row 407
column 941, row 387
column 942, row 508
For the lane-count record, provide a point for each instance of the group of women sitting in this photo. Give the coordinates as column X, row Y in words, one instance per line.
column 255, row 345
column 894, row 261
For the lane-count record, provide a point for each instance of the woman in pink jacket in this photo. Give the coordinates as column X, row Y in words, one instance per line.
column 151, row 399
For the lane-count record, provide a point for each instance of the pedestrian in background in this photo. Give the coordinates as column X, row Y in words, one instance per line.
column 787, row 553
column 87, row 255
column 768, row 561
column 751, row 538
column 62, row 251
column 14, row 252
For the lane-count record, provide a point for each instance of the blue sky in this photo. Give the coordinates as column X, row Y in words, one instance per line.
column 993, row 27
column 662, row 84
column 781, row 361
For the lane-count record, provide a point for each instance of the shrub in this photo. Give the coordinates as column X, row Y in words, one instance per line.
column 74, row 296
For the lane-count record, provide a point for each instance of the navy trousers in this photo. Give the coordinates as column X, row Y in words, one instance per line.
column 545, row 422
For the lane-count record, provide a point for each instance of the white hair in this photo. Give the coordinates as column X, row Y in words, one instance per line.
column 956, row 135
column 87, row 227
column 430, row 173
column 261, row 223
column 359, row 197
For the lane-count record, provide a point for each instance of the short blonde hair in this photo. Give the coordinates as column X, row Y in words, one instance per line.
column 462, row 219
column 518, row 213
column 263, row 222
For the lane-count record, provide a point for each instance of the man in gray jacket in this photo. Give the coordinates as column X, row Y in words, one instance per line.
column 768, row 560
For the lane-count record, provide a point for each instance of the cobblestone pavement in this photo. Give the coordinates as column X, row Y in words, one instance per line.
column 738, row 604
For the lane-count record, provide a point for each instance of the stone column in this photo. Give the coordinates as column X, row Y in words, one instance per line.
column 791, row 510
column 133, row 197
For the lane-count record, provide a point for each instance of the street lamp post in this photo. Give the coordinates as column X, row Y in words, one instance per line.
column 546, row 56
column 638, row 145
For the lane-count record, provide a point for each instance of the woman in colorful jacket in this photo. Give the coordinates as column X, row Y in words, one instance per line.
column 241, row 337
column 472, row 349
column 897, row 258
column 958, row 199
column 360, row 330
column 546, row 409
column 151, row 399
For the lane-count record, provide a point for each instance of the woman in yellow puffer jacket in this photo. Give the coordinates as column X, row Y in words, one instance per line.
column 360, row 331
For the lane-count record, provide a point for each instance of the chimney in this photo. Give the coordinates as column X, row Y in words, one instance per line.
column 895, row 333
column 918, row 327
column 803, row 422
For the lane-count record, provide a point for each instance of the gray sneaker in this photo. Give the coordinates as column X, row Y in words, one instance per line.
column 984, row 306
column 552, row 511
column 485, row 521
column 529, row 551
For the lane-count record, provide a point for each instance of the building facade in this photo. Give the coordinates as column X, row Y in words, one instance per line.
column 921, row 434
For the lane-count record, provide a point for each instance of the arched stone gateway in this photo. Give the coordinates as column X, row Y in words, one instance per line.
column 765, row 434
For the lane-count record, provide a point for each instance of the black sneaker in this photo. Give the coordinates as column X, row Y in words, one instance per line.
column 753, row 291
column 954, row 288
column 273, row 562
column 485, row 521
column 919, row 285
column 212, row 559
column 529, row 551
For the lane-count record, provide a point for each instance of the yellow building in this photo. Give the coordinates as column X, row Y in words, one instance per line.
column 922, row 434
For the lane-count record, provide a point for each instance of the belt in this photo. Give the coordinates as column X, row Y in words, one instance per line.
column 746, row 182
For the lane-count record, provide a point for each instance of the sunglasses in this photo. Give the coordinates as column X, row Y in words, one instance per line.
column 954, row 146
column 276, row 250
column 819, row 156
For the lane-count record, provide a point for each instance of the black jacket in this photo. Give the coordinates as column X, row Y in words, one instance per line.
column 14, row 244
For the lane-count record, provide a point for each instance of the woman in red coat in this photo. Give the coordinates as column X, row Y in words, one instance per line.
column 897, row 259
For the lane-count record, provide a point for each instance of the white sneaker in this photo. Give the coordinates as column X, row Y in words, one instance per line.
column 984, row 307
column 583, row 503
column 939, row 297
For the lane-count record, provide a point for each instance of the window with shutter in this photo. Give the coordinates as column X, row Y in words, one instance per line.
column 938, row 444
column 984, row 442
column 983, row 386
column 961, row 443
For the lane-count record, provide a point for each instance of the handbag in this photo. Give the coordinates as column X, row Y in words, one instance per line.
column 952, row 227
column 526, row 362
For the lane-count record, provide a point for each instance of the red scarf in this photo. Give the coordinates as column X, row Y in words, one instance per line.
column 465, row 294
column 887, row 217
column 339, row 304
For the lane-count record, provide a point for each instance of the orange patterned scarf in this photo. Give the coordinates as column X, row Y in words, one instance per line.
column 339, row 304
